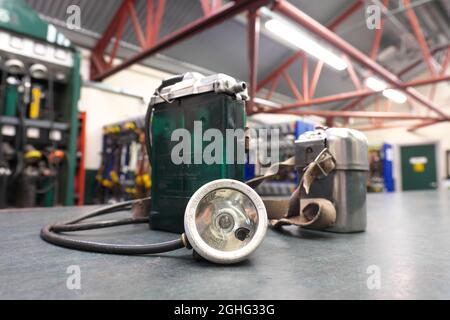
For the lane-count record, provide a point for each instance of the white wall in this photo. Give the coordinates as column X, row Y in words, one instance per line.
column 103, row 108
column 438, row 132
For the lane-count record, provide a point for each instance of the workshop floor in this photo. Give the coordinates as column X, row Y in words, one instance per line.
column 407, row 244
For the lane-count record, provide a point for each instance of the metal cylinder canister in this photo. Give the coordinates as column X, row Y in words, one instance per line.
column 345, row 186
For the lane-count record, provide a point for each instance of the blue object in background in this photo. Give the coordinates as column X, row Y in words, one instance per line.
column 249, row 170
column 301, row 127
column 387, row 158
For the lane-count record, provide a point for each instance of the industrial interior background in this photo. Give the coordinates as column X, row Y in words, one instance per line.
column 409, row 52
column 77, row 77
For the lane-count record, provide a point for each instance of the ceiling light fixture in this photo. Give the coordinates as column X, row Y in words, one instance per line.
column 378, row 85
column 395, row 95
column 304, row 42
column 375, row 84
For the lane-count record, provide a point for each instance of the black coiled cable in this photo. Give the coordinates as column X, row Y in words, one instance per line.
column 52, row 233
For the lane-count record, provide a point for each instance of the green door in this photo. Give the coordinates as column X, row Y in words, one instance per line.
column 418, row 167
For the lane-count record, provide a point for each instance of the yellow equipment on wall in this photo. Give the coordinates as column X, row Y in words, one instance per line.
column 35, row 105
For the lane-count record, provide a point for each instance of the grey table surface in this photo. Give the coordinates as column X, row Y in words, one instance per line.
column 407, row 244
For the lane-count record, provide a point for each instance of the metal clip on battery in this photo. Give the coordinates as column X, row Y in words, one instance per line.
column 165, row 83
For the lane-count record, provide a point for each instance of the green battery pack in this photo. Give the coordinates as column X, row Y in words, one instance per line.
column 215, row 102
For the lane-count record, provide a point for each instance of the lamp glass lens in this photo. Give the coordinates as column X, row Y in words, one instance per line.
column 226, row 219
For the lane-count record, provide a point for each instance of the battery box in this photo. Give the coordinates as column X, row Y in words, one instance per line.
column 215, row 102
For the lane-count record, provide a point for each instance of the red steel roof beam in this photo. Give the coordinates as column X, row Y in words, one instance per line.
column 119, row 33
column 253, row 49
column 373, row 54
column 415, row 25
column 98, row 63
column 332, row 26
column 315, row 78
column 206, row 7
column 136, row 25
column 379, row 127
column 345, row 15
column 227, row 11
column 312, row 25
column 424, row 82
column 347, row 95
column 279, row 71
column 420, row 60
column 362, row 114
column 216, row 5
column 424, row 124
column 158, row 19
column 292, row 86
column 273, row 87
column 149, row 23
column 441, row 73
column 352, row 73
column 305, row 78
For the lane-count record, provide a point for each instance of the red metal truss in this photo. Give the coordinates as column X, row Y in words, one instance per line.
column 424, row 124
column 217, row 11
column 315, row 78
column 115, row 30
column 100, row 69
column 210, row 6
column 281, row 70
column 355, row 94
column 253, row 49
column 419, row 36
column 315, row 27
column 376, row 42
column 275, row 75
column 380, row 126
column 362, row 114
column 433, row 80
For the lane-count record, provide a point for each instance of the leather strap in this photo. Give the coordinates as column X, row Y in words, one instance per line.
column 271, row 172
column 312, row 213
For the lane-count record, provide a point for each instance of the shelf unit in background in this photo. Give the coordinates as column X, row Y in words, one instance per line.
column 25, row 38
column 124, row 173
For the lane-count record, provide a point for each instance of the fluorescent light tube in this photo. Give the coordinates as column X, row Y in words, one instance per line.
column 375, row 84
column 305, row 43
column 379, row 85
column 394, row 95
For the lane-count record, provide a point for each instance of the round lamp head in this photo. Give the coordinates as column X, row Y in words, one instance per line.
column 15, row 66
column 225, row 221
column 38, row 71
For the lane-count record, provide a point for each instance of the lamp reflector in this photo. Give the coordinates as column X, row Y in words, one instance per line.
column 225, row 221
